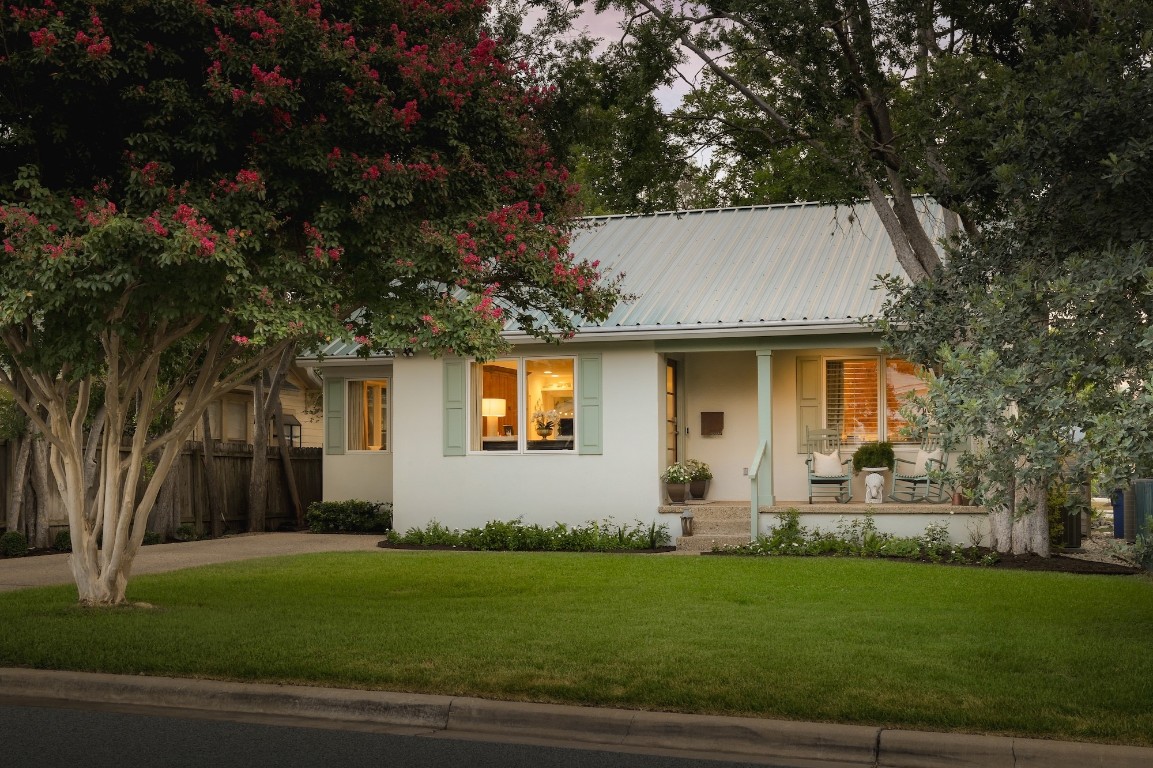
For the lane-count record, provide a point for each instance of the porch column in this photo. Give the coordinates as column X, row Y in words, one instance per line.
column 764, row 489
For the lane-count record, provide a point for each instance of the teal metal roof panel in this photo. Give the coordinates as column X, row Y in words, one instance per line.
column 761, row 265
column 724, row 268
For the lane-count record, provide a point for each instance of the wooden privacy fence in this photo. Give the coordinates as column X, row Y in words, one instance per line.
column 184, row 498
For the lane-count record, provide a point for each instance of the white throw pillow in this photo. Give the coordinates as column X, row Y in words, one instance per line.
column 923, row 458
column 827, row 464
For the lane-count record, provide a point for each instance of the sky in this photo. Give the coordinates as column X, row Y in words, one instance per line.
column 607, row 26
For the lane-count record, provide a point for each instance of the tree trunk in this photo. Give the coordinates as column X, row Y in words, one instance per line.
column 1013, row 531
column 258, row 478
column 286, row 463
column 18, row 479
column 264, row 404
column 216, row 504
column 37, row 522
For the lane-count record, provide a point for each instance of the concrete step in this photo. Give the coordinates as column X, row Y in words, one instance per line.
column 708, row 526
column 698, row 543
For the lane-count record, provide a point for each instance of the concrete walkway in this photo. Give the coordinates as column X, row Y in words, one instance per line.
column 819, row 744
column 45, row 570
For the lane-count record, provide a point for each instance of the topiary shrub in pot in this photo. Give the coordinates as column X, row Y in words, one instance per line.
column 874, row 455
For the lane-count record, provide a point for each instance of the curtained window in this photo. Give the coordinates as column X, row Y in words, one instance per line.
column 367, row 405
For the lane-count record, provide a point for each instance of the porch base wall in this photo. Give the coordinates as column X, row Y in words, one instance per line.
column 723, row 523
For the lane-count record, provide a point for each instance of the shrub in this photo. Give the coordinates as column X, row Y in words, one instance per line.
column 13, row 544
column 63, row 541
column 514, row 535
column 858, row 538
column 1143, row 546
column 152, row 537
column 185, row 533
column 353, row 516
column 874, row 455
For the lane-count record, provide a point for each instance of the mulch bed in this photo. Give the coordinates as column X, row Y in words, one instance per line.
column 1056, row 564
column 1064, row 564
column 390, row 545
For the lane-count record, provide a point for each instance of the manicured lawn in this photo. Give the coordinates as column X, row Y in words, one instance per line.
column 854, row 641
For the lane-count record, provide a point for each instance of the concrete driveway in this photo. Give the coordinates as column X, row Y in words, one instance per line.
column 44, row 570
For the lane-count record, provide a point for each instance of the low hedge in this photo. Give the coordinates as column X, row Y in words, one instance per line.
column 514, row 535
column 353, row 516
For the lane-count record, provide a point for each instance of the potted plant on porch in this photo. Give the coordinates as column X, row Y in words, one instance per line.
column 676, row 478
column 874, row 455
column 699, row 477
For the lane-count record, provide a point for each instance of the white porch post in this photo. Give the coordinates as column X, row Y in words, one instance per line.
column 763, row 492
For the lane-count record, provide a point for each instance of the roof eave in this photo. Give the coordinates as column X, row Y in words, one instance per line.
column 716, row 330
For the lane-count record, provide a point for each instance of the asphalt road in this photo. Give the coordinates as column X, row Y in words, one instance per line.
column 49, row 737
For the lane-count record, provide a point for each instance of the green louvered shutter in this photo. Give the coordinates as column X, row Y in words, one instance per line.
column 590, row 416
column 808, row 397
column 334, row 415
column 455, row 407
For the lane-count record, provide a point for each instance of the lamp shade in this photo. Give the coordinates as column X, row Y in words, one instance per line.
column 492, row 406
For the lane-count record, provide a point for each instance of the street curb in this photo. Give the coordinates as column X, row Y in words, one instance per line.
column 732, row 736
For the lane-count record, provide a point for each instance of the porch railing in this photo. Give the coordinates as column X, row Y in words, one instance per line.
column 755, row 467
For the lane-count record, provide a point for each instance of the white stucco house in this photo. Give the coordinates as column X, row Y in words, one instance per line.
column 746, row 328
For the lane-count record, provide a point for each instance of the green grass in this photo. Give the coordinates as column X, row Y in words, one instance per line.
column 823, row 639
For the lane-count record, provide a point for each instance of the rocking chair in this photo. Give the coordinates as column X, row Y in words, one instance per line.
column 921, row 478
column 828, row 473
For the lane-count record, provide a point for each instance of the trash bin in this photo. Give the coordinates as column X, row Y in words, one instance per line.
column 1130, row 513
column 1073, row 527
column 1117, row 498
column 1143, row 491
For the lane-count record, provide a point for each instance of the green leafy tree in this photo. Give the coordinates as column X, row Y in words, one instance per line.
column 1039, row 328
column 826, row 82
column 1028, row 122
column 202, row 184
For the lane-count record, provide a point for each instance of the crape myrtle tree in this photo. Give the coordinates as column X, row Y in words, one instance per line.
column 1039, row 330
column 193, row 186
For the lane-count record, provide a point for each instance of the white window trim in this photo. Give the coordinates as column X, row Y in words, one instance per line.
column 882, row 418
column 348, row 417
column 522, row 448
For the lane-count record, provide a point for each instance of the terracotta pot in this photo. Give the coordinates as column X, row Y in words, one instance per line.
column 960, row 499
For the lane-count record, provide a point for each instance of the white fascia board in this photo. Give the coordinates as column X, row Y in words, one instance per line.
column 733, row 330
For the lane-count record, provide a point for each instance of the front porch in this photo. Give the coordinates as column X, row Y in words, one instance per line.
column 720, row 523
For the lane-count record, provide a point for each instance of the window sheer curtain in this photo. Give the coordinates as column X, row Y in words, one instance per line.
column 357, row 423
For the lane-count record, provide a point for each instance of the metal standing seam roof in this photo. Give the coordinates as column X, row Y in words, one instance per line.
column 754, row 268
column 792, row 265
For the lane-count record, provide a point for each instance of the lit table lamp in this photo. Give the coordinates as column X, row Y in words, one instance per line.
column 492, row 408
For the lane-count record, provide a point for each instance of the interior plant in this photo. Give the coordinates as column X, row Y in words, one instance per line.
column 873, row 455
